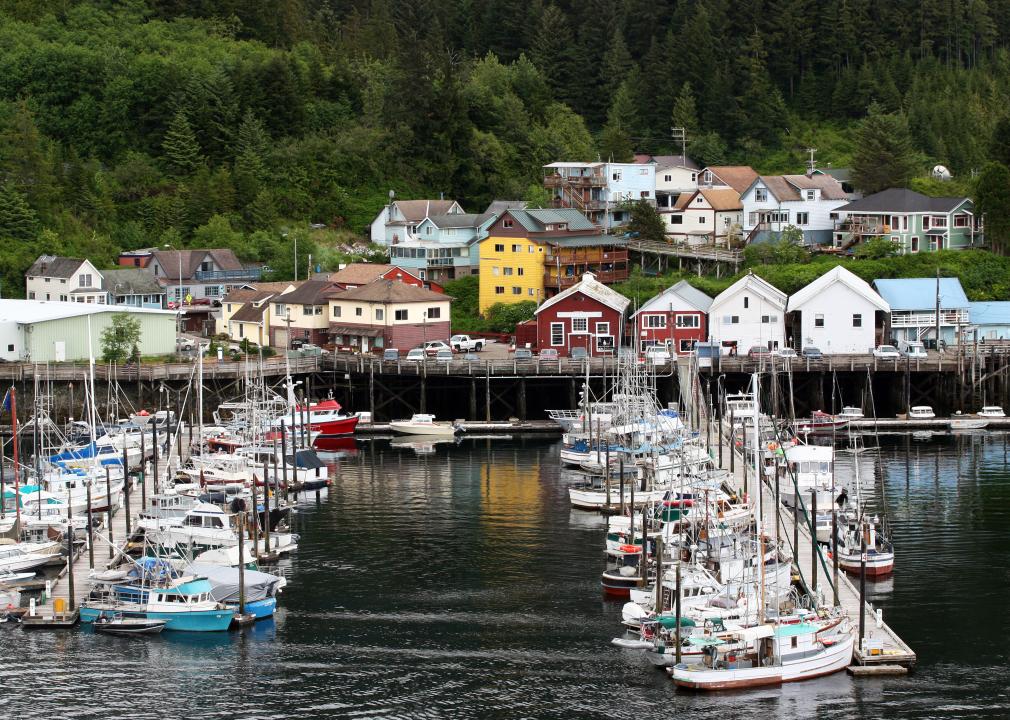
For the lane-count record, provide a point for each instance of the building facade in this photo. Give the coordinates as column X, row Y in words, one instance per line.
column 301, row 315
column 398, row 221
column 587, row 315
column 711, row 216
column 913, row 303
column 387, row 314
column 837, row 313
column 773, row 203
column 676, row 318
column 749, row 313
column 600, row 189
column 188, row 275
column 64, row 279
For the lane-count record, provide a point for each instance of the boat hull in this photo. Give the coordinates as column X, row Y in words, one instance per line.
column 196, row 621
column 259, row 609
column 408, row 428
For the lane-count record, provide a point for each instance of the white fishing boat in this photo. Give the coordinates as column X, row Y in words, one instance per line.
column 423, row 424
column 810, row 468
column 921, row 412
column 967, row 423
column 26, row 556
column 991, row 411
column 769, row 654
column 850, row 412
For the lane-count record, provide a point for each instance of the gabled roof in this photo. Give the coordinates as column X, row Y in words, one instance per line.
column 592, row 288
column 674, row 161
column 920, row 293
column 497, row 207
column 690, row 295
column 310, row 292
column 738, row 177
column 577, row 241
column 250, row 297
column 388, row 291
column 837, row 274
column 459, row 220
column 54, row 266
column 131, row 281
column 537, row 220
column 722, row 199
column 989, row 313
column 191, row 259
column 250, row 313
column 755, row 284
column 418, row 210
column 359, row 273
column 902, row 200
column 788, row 188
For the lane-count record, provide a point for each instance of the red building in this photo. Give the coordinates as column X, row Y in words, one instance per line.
column 677, row 318
column 588, row 315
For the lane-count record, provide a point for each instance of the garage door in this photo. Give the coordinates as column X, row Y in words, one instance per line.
column 281, row 338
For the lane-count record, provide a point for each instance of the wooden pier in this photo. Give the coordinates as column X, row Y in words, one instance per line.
column 881, row 645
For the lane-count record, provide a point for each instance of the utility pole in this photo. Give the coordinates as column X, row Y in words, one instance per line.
column 937, row 318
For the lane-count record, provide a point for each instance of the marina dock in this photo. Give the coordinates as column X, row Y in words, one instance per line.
column 881, row 644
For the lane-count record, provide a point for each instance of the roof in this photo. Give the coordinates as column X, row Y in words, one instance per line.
column 54, row 266
column 586, row 240
column 920, row 293
column 989, row 313
column 255, row 292
column 575, row 164
column 310, row 292
column 417, row 210
column 250, row 312
column 389, row 291
column 738, row 177
column 460, row 220
column 722, row 199
column 31, row 311
column 360, row 273
column 497, row 207
column 674, row 161
column 593, row 288
column 902, row 200
column 755, row 284
column 837, row 274
column 191, row 259
column 131, row 281
column 684, row 290
column 788, row 187
column 537, row 220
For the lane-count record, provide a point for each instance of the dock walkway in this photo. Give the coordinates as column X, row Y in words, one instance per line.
column 881, row 644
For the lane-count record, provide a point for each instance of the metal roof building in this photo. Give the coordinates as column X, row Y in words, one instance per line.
column 48, row 331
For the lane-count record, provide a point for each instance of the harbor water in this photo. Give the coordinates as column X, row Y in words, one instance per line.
column 454, row 581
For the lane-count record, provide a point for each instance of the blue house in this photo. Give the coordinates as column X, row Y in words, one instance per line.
column 990, row 319
column 913, row 308
column 444, row 247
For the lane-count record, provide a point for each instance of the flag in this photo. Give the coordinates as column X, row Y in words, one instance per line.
column 7, row 400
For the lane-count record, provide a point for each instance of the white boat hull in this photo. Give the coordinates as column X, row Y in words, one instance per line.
column 409, row 428
column 597, row 499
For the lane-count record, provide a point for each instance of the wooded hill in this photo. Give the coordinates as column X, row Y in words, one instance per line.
column 226, row 122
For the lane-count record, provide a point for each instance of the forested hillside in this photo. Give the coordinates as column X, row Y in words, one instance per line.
column 229, row 123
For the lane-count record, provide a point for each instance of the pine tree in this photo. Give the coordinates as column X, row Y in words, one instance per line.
column 615, row 140
column 761, row 111
column 17, row 219
column 25, row 159
column 992, row 201
column 685, row 110
column 999, row 147
column 180, row 146
column 884, row 155
column 617, row 63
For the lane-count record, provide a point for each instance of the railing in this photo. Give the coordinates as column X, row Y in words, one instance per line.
column 160, row 371
column 245, row 274
column 604, row 276
column 557, row 180
column 586, row 255
column 947, row 317
column 695, row 252
column 459, row 367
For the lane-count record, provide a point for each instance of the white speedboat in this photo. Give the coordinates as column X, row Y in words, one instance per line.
column 851, row 412
column 967, row 423
column 991, row 411
column 921, row 412
column 423, row 424
column 25, row 556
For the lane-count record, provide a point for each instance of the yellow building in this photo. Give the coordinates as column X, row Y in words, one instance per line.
column 513, row 255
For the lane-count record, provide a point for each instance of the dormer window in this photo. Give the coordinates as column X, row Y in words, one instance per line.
column 760, row 195
column 562, row 226
column 811, row 194
column 506, row 223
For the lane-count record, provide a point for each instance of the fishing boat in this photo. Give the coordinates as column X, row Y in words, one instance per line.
column 325, row 418
column 820, row 423
column 423, row 424
column 261, row 589
column 921, row 412
column 850, row 412
column 991, row 411
column 117, row 624
column 879, row 560
column 26, row 556
column 809, row 468
column 769, row 654
column 185, row 604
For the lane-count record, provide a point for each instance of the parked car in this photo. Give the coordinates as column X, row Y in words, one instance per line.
column 415, row 355
column 812, row 353
column 391, row 354
column 912, row 349
column 432, row 347
column 523, row 354
column 578, row 353
column 657, row 354
column 445, row 355
column 184, row 343
column 549, row 354
column 886, row 352
column 471, row 357
column 464, row 343
column 757, row 351
column 786, row 352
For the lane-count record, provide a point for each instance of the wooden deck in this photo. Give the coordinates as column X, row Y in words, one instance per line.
column 691, row 252
column 480, row 368
column 272, row 367
column 893, row 650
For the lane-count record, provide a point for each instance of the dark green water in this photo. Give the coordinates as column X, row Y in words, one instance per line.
column 460, row 585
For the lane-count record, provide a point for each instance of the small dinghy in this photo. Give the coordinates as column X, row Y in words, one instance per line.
column 119, row 625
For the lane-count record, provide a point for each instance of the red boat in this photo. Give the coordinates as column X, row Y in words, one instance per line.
column 325, row 418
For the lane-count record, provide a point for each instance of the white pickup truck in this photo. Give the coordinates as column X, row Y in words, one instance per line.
column 464, row 343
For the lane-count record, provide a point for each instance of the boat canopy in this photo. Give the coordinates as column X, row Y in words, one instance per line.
column 224, row 582
column 754, row 633
column 705, row 641
column 795, row 629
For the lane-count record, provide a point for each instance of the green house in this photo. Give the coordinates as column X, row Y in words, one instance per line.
column 912, row 221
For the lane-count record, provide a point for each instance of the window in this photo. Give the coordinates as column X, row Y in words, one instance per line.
column 506, row 223
column 557, row 334
column 519, row 271
column 760, row 195
column 506, row 271
column 689, row 321
column 752, row 218
column 63, row 298
column 241, row 330
column 85, row 280
column 380, row 314
column 499, row 290
column 533, row 292
column 335, row 311
column 101, row 299
column 517, row 248
column 694, row 177
column 47, row 279
column 399, row 314
column 229, row 307
column 529, row 249
column 359, row 312
column 655, row 321
column 494, row 272
column 616, row 175
column 699, row 200
column 63, row 281
column 746, row 302
column 48, row 297
column 434, row 313
column 687, row 346
column 676, row 219
column 580, row 324
column 818, row 321
column 707, row 177
column 811, row 194
column 31, row 295
column 280, row 310
column 10, row 348
column 802, row 218
column 731, row 319
column 668, row 178
column 516, row 290
column 702, row 220
column 499, row 247
column 915, row 245
column 925, row 222
column 961, row 221
column 602, row 328
column 427, row 230
column 857, row 320
column 939, row 221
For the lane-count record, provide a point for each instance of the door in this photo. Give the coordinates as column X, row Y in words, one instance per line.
column 281, row 337
column 60, row 351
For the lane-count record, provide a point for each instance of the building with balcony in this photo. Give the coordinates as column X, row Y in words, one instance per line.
column 914, row 302
column 773, row 203
column 189, row 275
column 301, row 314
column 387, row 314
column 445, row 247
column 532, row 254
column 398, row 221
column 600, row 190
column 912, row 221
column 707, row 216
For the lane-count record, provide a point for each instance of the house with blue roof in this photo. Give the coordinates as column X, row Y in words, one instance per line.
column 443, row 247
column 913, row 303
column 990, row 319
